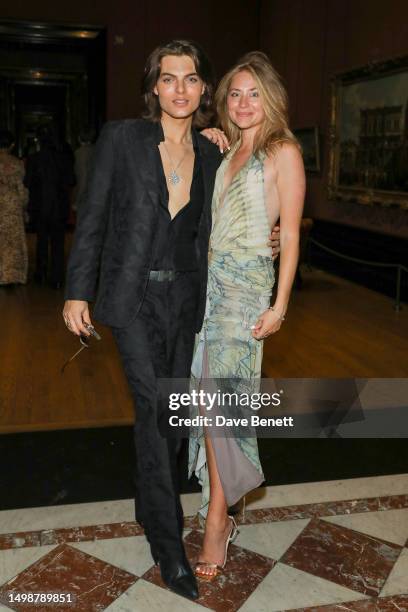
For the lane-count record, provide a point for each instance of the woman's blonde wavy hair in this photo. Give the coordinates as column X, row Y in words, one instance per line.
column 275, row 130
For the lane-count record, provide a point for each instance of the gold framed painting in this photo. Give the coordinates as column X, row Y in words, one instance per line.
column 368, row 139
column 309, row 141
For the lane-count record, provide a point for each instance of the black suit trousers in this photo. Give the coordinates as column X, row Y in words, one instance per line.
column 158, row 344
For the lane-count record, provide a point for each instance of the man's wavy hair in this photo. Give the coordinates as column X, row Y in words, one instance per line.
column 152, row 112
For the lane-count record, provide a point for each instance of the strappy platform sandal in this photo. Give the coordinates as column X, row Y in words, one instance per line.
column 214, row 566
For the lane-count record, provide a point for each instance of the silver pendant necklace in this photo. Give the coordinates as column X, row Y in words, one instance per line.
column 174, row 178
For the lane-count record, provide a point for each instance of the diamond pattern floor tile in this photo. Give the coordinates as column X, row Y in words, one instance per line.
column 398, row 603
column 93, row 583
column 286, row 587
column 270, row 539
column 346, row 557
column 243, row 573
column 130, row 554
column 147, row 597
column 397, row 581
column 15, row 560
column 389, row 525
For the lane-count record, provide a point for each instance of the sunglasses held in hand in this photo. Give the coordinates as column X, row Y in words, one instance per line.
column 85, row 343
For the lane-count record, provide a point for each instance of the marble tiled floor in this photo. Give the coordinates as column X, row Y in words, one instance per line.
column 329, row 546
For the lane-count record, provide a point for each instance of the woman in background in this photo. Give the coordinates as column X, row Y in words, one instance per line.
column 13, row 199
column 259, row 181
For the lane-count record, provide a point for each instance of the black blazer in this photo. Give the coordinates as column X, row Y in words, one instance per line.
column 111, row 255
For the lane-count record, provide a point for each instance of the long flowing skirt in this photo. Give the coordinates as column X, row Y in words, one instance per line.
column 227, row 360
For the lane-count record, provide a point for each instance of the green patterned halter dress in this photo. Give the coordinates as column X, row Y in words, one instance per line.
column 226, row 356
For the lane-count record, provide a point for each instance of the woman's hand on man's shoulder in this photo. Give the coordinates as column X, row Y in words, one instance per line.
column 217, row 137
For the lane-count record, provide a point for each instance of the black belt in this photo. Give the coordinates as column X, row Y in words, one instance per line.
column 167, row 275
column 163, row 275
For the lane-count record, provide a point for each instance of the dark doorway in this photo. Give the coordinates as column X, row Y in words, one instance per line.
column 51, row 73
column 36, row 106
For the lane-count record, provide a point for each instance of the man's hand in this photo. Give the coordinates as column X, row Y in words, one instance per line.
column 274, row 241
column 217, row 137
column 76, row 314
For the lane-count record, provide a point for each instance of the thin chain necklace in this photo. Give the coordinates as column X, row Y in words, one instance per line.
column 174, row 178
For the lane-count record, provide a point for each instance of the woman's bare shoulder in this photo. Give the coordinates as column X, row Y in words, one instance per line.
column 287, row 162
column 287, row 152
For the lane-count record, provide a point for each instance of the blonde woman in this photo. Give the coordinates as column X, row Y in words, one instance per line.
column 259, row 181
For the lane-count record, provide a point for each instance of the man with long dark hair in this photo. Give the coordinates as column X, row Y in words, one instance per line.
column 143, row 232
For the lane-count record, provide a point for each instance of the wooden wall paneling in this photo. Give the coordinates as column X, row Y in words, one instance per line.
column 333, row 56
column 273, row 33
column 125, row 60
column 311, row 51
column 351, row 34
column 234, row 31
column 167, row 20
column 397, row 26
column 121, row 18
column 374, row 30
column 356, row 35
column 293, row 58
column 304, row 46
column 225, row 29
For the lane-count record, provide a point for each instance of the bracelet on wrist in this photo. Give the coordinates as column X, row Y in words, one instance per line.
column 280, row 316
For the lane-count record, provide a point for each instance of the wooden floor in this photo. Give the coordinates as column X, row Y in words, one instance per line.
column 334, row 328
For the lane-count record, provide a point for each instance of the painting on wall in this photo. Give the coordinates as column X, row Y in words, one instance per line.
column 309, row 141
column 369, row 134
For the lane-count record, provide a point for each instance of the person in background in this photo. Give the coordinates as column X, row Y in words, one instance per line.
column 13, row 200
column 83, row 158
column 30, row 147
column 50, row 175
